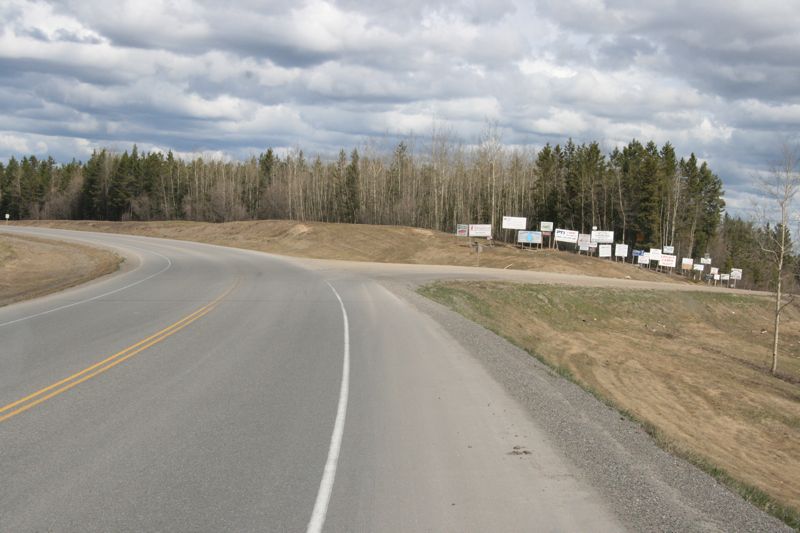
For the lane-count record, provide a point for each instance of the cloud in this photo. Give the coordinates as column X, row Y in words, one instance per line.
column 209, row 77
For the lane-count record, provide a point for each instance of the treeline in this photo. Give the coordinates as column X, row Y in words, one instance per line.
column 643, row 192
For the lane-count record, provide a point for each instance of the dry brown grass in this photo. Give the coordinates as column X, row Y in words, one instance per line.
column 363, row 242
column 31, row 267
column 692, row 365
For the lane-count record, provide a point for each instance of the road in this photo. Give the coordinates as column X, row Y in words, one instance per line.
column 212, row 389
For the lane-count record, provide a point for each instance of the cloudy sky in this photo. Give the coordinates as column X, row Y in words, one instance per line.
column 718, row 77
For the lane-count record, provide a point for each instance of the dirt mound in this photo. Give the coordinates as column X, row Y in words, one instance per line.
column 363, row 242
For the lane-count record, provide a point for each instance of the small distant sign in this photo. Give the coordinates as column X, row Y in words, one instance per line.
column 602, row 237
column 643, row 259
column 567, row 235
column 714, row 271
column 687, row 263
column 668, row 260
column 668, row 249
column 705, row 260
column 725, row 277
column 480, row 230
column 736, row 273
column 8, row 216
column 655, row 254
column 583, row 247
column 584, row 239
column 515, row 223
column 604, row 250
column 699, row 267
column 529, row 237
column 716, row 277
column 462, row 230
column 638, row 253
column 546, row 226
column 621, row 250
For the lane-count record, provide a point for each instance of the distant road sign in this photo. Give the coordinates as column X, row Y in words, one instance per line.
column 655, row 254
column 604, row 250
column 668, row 260
column 480, row 230
column 602, row 237
column 567, row 235
column 462, row 230
column 546, row 226
column 515, row 223
column 736, row 273
column 668, row 249
column 621, row 250
column 530, row 237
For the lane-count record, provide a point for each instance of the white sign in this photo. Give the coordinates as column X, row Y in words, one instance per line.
column 602, row 237
column 584, row 239
column 687, row 263
column 705, row 260
column 655, row 254
column 604, row 250
column 583, row 247
column 736, row 273
column 716, row 277
column 725, row 277
column 530, row 237
column 644, row 259
column 8, row 216
column 546, row 226
column 621, row 250
column 714, row 270
column 669, row 250
column 462, row 230
column 668, row 260
column 567, row 235
column 699, row 267
column 515, row 223
column 480, row 230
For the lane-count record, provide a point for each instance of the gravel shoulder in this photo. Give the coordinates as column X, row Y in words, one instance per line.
column 648, row 488
column 32, row 267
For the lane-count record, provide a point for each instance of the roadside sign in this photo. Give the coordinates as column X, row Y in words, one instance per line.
column 638, row 253
column 567, row 235
column 716, row 277
column 705, row 260
column 668, row 249
column 530, row 237
column 736, row 273
column 699, row 267
column 725, row 277
column 687, row 263
column 546, row 226
column 603, row 237
column 462, row 230
column 8, row 216
column 480, row 230
column 604, row 250
column 655, row 254
column 714, row 271
column 515, row 223
column 668, row 260
column 643, row 259
column 584, row 239
column 621, row 250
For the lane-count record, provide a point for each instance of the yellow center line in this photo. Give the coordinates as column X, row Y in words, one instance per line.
column 89, row 372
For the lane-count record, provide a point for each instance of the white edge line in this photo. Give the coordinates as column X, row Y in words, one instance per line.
column 73, row 304
column 329, row 474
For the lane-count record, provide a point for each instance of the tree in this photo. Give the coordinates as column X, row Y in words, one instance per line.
column 780, row 188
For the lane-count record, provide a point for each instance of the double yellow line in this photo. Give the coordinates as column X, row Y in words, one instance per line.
column 42, row 395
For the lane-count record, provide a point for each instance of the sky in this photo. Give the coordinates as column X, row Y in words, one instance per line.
column 720, row 78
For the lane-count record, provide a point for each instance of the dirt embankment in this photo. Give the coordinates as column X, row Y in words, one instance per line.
column 692, row 366
column 31, row 267
column 363, row 242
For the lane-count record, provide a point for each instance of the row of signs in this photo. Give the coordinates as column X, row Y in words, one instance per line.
column 599, row 239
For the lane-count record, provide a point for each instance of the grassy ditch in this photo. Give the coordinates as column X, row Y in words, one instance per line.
column 691, row 367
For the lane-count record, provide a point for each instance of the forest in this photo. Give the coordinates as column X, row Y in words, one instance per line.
column 643, row 192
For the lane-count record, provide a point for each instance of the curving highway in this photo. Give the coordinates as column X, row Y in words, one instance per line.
column 205, row 388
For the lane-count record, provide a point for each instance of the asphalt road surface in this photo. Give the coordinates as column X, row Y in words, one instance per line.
column 211, row 389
